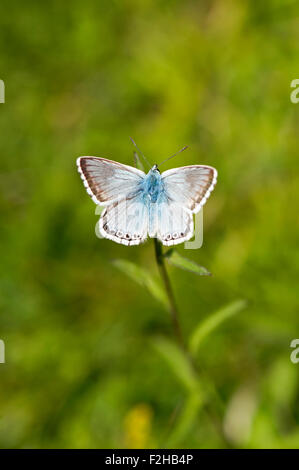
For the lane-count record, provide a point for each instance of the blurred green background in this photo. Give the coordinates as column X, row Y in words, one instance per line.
column 82, row 364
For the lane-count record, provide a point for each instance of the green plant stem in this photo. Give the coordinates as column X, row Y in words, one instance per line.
column 168, row 289
column 178, row 332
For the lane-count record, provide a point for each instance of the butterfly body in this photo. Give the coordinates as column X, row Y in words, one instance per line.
column 138, row 205
column 152, row 185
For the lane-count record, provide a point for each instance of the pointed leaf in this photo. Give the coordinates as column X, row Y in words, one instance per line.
column 143, row 278
column 213, row 321
column 176, row 259
column 185, row 420
column 138, row 163
column 178, row 363
column 99, row 209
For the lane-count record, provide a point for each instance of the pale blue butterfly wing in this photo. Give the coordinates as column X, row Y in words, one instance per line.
column 106, row 180
column 171, row 223
column 190, row 186
column 187, row 189
column 118, row 188
column 183, row 191
column 125, row 221
column 138, row 204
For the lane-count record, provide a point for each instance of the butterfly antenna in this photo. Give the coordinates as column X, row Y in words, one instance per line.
column 184, row 148
column 145, row 159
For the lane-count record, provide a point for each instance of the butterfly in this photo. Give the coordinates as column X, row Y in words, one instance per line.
column 138, row 205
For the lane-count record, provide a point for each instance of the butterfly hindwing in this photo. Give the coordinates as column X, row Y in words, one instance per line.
column 125, row 221
column 174, row 223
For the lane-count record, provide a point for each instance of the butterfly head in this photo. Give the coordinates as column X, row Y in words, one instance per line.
column 155, row 168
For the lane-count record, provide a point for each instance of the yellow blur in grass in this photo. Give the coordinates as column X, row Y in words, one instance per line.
column 137, row 427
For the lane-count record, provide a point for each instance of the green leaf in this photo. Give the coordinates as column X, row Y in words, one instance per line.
column 176, row 259
column 178, row 363
column 99, row 209
column 185, row 420
column 138, row 163
column 143, row 278
column 213, row 321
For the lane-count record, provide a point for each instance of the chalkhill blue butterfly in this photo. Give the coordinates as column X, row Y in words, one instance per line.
column 138, row 205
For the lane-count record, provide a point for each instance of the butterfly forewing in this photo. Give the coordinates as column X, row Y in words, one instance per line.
column 106, row 180
column 190, row 186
